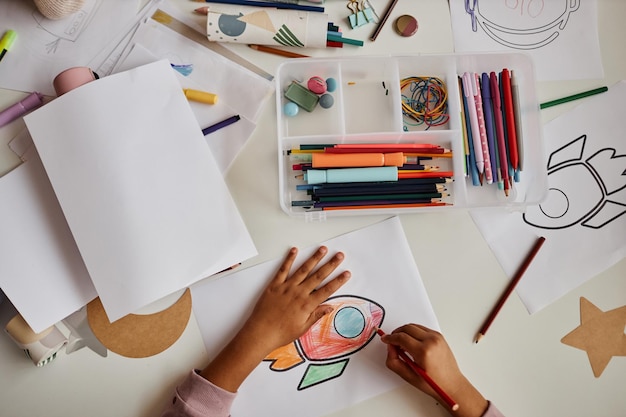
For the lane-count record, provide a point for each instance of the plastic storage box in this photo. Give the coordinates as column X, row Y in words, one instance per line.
column 368, row 109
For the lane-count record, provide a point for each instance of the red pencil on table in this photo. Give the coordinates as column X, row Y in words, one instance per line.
column 518, row 275
column 444, row 396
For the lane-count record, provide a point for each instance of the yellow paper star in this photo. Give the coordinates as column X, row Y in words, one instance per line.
column 600, row 334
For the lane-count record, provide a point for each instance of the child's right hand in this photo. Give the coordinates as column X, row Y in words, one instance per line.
column 430, row 351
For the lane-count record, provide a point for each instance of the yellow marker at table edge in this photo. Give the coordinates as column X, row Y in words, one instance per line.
column 7, row 40
column 200, row 96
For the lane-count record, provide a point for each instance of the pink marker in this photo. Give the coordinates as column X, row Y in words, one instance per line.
column 473, row 116
column 484, row 144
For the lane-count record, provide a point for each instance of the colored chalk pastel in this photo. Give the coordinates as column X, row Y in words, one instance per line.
column 302, row 96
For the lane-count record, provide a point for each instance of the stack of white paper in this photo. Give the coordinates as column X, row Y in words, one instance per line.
column 141, row 193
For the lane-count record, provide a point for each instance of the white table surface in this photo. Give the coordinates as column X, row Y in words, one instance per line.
column 521, row 365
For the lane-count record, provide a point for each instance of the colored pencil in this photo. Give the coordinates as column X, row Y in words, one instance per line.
column 444, row 396
column 383, row 20
column 432, row 174
column 405, row 196
column 509, row 289
column 275, row 5
column 382, row 206
column 361, row 203
column 384, row 149
column 573, row 97
column 426, row 188
column 277, row 51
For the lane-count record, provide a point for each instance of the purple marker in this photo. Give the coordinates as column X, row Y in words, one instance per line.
column 20, row 108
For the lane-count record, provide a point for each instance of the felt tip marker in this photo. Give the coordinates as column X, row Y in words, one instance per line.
column 369, row 174
column 5, row 43
column 19, row 109
column 473, row 116
column 341, row 160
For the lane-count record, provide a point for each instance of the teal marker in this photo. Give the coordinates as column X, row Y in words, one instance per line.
column 370, row 174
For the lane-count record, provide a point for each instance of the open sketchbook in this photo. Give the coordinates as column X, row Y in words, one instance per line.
column 146, row 205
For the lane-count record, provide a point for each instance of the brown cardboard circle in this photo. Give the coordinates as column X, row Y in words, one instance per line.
column 140, row 335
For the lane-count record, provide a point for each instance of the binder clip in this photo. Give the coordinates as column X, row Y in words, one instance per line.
column 361, row 14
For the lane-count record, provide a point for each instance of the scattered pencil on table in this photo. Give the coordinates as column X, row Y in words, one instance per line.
column 5, row 43
column 421, row 372
column 383, row 20
column 276, row 51
column 220, row 125
column 509, row 289
column 252, row 3
column 573, row 97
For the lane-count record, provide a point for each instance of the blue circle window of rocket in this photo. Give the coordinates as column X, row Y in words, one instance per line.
column 349, row 322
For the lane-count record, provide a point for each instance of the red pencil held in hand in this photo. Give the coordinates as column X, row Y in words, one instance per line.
column 451, row 403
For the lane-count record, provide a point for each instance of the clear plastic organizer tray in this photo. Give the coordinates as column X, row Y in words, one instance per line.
column 367, row 109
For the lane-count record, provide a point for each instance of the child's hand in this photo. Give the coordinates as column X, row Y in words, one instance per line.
column 430, row 351
column 291, row 303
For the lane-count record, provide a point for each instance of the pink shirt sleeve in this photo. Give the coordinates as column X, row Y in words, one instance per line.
column 492, row 411
column 197, row 397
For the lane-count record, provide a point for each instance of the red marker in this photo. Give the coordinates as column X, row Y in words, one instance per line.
column 509, row 112
column 451, row 403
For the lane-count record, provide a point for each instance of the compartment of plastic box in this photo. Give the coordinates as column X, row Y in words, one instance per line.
column 369, row 107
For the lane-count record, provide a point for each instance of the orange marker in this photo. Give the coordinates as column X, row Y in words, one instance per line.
column 344, row 160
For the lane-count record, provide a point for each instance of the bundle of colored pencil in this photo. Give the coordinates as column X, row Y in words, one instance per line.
column 377, row 175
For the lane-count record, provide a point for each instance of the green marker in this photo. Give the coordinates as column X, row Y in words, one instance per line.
column 6, row 42
column 573, row 97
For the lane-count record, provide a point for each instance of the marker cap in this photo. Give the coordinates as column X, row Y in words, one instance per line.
column 7, row 40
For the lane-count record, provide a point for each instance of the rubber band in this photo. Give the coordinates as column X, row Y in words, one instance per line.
column 424, row 101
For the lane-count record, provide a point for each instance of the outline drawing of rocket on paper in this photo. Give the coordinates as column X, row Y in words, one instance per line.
column 585, row 187
column 329, row 342
column 68, row 29
column 521, row 24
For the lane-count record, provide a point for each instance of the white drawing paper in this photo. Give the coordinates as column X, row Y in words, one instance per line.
column 239, row 90
column 141, row 192
column 583, row 217
column 41, row 269
column 385, row 286
column 560, row 35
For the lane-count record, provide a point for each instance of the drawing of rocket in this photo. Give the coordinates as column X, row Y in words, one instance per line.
column 587, row 190
column 329, row 342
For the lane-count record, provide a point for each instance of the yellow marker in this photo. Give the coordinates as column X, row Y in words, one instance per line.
column 6, row 42
column 200, row 96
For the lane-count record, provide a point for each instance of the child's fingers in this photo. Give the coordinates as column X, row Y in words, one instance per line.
column 328, row 289
column 285, row 267
column 305, row 269
column 314, row 279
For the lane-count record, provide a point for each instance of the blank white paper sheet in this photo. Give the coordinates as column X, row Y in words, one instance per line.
column 142, row 195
